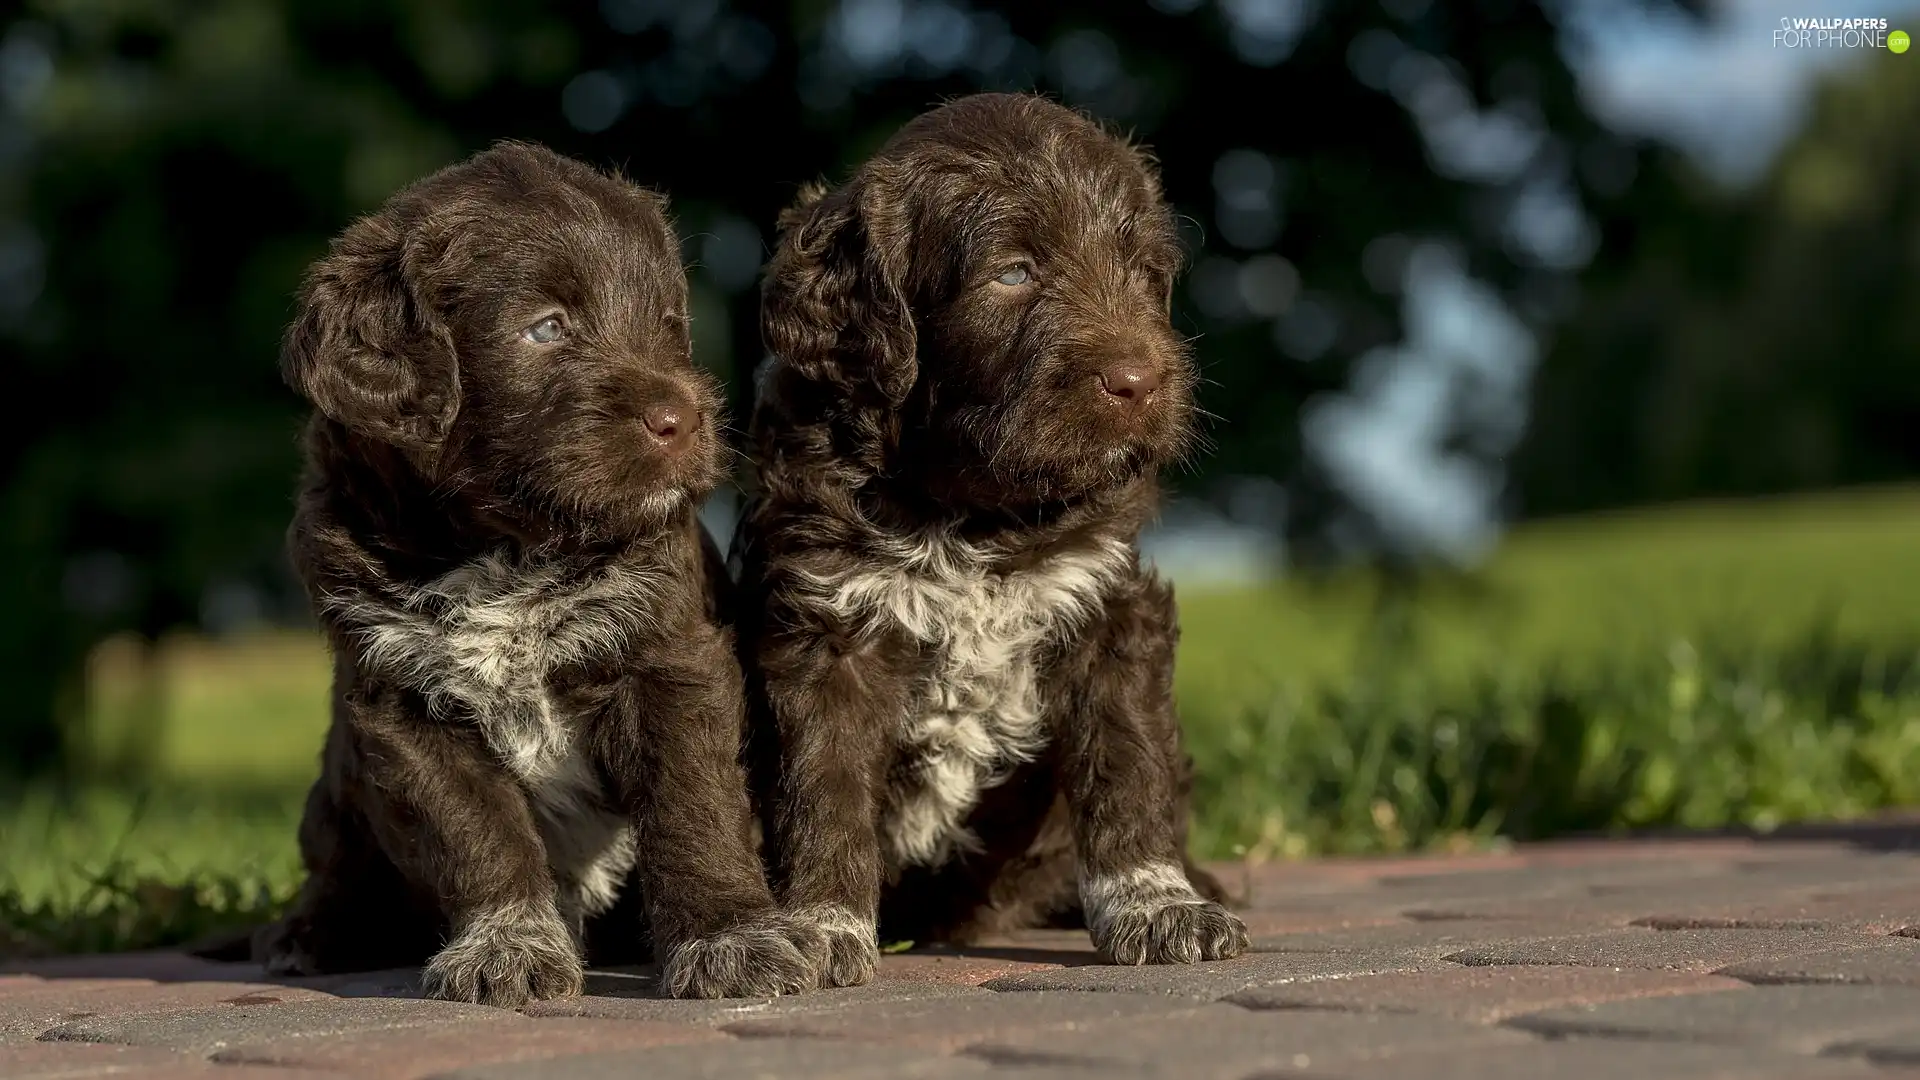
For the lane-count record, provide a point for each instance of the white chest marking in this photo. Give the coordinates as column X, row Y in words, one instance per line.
column 980, row 713
column 484, row 641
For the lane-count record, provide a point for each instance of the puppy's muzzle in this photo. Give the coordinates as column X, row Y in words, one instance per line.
column 1130, row 384
column 671, row 425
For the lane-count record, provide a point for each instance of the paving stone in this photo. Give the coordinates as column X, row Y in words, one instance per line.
column 403, row 982
column 154, row 966
column 85, row 1061
column 1830, row 867
column 966, row 968
column 1272, row 923
column 1875, row 910
column 1715, row 899
column 1481, row 995
column 1217, row 979
column 409, row 1053
column 1609, row 1059
column 1061, row 944
column 24, row 1014
column 1569, row 878
column 1424, row 938
column 1228, row 1042
column 1345, row 873
column 1578, row 913
column 1673, row 950
column 208, row 1030
column 44, row 1061
column 1803, row 1019
column 1902, row 1048
column 15, row 985
column 951, row 1023
column 785, row 1059
column 607, row 1003
column 1891, row 961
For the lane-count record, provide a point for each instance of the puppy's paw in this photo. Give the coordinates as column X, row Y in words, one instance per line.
column 507, row 958
column 1153, row 916
column 281, row 947
column 848, row 949
column 765, row 955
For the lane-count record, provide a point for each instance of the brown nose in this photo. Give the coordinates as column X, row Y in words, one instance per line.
column 1131, row 383
column 672, row 425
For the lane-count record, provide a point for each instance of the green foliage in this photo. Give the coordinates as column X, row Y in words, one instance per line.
column 100, row 869
column 1710, row 735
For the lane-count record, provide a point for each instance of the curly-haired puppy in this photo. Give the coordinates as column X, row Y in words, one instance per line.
column 535, row 700
column 960, row 674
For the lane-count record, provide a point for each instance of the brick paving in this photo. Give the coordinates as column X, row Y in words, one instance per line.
column 1791, row 956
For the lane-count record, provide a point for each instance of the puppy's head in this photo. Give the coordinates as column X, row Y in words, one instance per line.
column 517, row 326
column 997, row 280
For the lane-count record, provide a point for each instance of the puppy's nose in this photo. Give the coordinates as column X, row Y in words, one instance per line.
column 1132, row 383
column 672, row 425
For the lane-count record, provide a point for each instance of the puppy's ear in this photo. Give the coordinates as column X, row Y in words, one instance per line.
column 834, row 305
column 366, row 351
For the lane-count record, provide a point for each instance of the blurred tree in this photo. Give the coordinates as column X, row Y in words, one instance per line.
column 1752, row 343
column 168, row 166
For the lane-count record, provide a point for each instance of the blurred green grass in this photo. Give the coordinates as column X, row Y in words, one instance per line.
column 1703, row 665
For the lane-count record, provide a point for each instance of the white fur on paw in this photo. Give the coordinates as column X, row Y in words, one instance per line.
column 1151, row 915
column 506, row 958
column 757, row 957
column 851, row 948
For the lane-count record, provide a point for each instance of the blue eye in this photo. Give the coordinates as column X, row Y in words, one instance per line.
column 545, row 332
column 1017, row 274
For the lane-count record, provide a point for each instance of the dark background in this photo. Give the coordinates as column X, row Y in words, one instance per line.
column 168, row 168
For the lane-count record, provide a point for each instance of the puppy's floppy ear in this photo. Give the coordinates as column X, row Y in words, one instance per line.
column 834, row 305
column 364, row 348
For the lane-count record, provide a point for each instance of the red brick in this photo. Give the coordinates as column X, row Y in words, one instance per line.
column 406, row 1055
column 1795, row 1019
column 13, row 985
column 1221, row 1042
column 28, row 1013
column 1431, row 939
column 1879, row 910
column 33, row 1060
column 157, row 966
column 950, row 1024
column 1891, row 961
column 1672, row 950
column 225, row 1027
column 1610, row 1059
column 1268, row 923
column 1482, row 995
column 715, row 1013
column 963, row 968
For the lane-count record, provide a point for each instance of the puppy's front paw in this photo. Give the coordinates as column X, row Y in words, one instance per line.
column 1153, row 916
column 281, row 947
column 763, row 956
column 507, row 958
column 849, row 949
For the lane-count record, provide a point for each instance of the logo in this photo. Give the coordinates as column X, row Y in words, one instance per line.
column 1838, row 34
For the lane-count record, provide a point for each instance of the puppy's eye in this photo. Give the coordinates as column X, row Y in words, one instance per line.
column 546, row 331
column 1017, row 274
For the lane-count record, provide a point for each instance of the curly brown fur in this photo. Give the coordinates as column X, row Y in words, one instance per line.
column 960, row 674
column 536, row 703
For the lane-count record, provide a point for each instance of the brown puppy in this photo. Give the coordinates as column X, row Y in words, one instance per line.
column 535, row 701
column 960, row 675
